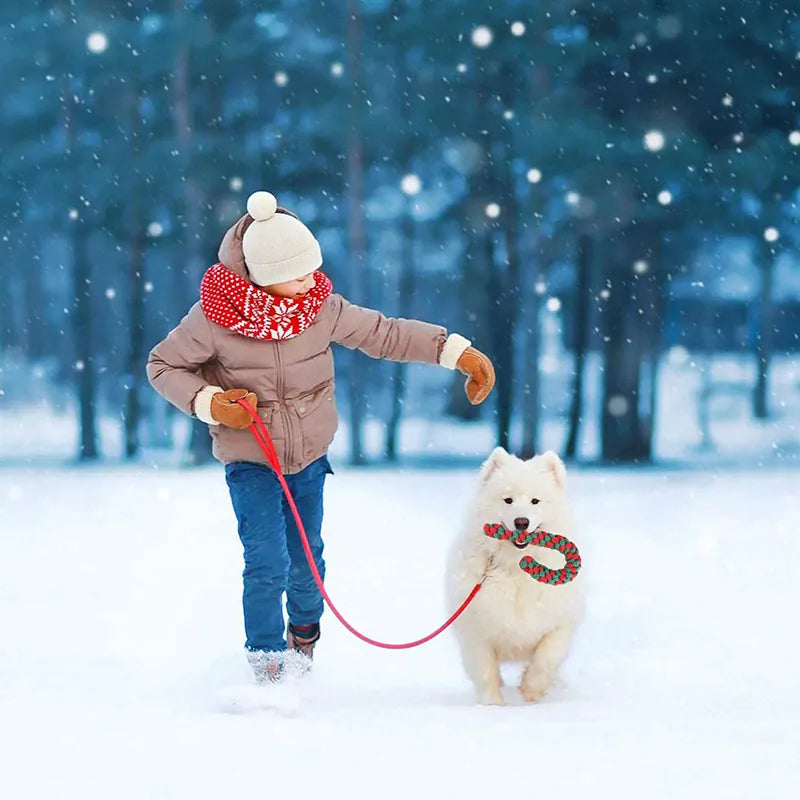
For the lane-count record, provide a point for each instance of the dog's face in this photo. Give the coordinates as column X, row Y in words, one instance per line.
column 522, row 495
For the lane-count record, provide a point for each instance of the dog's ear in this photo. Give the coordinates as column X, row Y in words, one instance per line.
column 496, row 459
column 553, row 463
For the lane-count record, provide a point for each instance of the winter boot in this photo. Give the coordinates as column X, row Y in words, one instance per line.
column 267, row 665
column 302, row 638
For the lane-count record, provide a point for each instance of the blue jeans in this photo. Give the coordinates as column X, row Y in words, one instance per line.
column 274, row 560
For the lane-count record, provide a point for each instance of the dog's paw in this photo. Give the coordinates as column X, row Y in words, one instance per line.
column 490, row 697
column 532, row 694
column 534, row 688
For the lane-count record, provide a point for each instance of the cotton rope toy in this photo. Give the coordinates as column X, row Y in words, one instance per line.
column 551, row 541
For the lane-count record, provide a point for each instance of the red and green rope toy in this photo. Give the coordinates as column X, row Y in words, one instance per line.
column 552, row 541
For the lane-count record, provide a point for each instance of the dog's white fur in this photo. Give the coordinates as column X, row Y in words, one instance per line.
column 514, row 617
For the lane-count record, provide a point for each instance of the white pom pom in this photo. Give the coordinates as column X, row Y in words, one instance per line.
column 261, row 205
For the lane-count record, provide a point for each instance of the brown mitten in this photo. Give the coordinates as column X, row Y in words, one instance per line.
column 480, row 374
column 227, row 411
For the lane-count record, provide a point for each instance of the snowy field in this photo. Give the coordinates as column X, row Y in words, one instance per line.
column 122, row 673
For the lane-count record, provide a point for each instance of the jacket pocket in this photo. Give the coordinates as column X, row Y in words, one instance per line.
column 316, row 416
column 266, row 411
column 238, row 445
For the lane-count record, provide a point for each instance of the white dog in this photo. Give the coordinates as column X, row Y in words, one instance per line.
column 514, row 617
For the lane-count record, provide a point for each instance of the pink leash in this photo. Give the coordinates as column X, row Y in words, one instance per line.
column 265, row 443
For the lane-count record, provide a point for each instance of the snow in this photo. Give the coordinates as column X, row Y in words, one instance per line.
column 122, row 674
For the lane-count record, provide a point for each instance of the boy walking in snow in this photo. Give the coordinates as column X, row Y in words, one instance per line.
column 262, row 330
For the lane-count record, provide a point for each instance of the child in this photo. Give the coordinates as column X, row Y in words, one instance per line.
column 262, row 330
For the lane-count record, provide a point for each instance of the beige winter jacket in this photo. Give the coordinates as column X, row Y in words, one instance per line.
column 292, row 378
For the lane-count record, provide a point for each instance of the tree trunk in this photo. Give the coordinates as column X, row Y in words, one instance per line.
column 136, row 357
column 582, row 313
column 136, row 286
column 657, row 307
column 474, row 311
column 763, row 350
column 186, row 274
column 501, row 338
column 355, row 223
column 9, row 300
column 508, row 276
column 530, row 364
column 33, row 326
column 477, row 272
column 405, row 293
column 82, row 332
column 504, row 321
column 81, row 316
column 624, row 438
column 704, row 403
column 503, row 291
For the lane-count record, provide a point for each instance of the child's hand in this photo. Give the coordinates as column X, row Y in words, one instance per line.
column 227, row 411
column 480, row 374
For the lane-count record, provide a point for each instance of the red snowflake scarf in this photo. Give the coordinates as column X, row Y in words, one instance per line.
column 244, row 308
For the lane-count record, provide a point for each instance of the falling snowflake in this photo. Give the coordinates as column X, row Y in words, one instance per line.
column 654, row 141
column 97, row 42
column 482, row 36
column 410, row 184
column 534, row 175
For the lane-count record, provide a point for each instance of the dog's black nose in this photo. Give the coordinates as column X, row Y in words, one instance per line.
column 521, row 523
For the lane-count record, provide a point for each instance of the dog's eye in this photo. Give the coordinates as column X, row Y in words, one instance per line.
column 508, row 500
column 535, row 501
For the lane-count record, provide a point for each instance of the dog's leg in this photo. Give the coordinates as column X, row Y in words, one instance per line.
column 483, row 669
column 540, row 673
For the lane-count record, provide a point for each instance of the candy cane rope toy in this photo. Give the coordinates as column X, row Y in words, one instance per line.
column 552, row 541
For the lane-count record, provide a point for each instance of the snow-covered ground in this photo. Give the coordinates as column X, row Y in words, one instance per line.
column 122, row 674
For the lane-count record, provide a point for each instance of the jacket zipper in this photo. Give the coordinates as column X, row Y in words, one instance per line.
column 282, row 406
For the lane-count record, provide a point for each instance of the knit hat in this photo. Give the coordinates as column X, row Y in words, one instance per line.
column 277, row 246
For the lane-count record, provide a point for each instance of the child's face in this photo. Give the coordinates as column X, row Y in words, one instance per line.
column 294, row 289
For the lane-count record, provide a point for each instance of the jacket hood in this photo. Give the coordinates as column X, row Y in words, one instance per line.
column 230, row 253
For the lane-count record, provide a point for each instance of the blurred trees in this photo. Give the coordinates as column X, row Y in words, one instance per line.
column 615, row 140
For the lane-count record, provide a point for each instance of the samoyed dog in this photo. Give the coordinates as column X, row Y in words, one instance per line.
column 514, row 617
